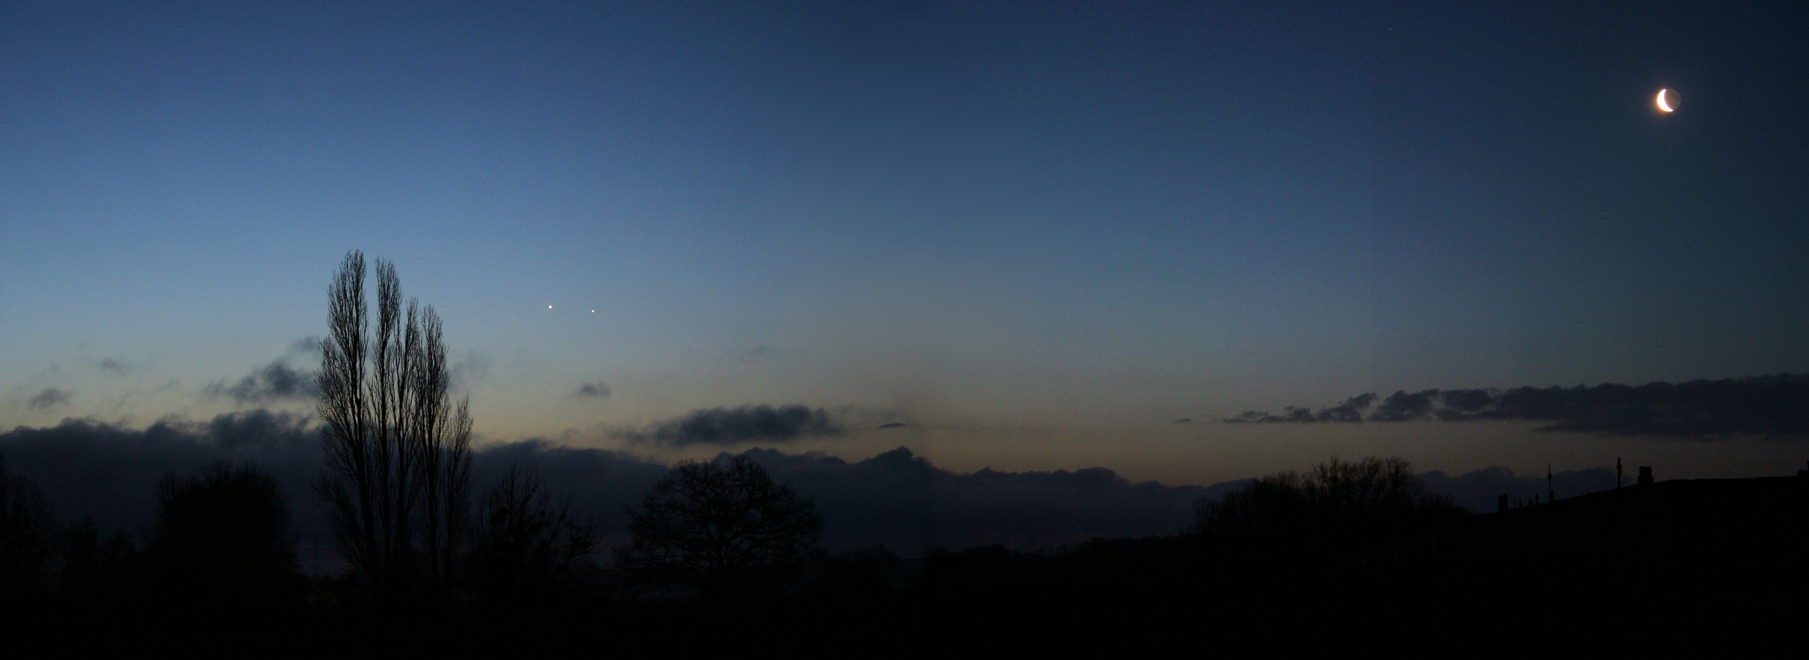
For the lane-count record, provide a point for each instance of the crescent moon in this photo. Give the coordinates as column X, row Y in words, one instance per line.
column 1662, row 105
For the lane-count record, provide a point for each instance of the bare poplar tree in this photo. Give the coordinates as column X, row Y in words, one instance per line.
column 398, row 455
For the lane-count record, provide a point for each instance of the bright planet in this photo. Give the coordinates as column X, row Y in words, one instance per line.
column 1667, row 100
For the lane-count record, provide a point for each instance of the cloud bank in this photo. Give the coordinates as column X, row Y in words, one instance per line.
column 95, row 471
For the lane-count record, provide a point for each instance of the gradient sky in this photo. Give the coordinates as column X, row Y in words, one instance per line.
column 1050, row 217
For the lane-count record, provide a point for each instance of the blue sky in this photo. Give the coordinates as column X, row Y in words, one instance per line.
column 1051, row 216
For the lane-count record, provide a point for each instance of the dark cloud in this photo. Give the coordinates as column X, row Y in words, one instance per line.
column 269, row 383
column 1349, row 411
column 1401, row 406
column 727, row 426
column 1466, row 403
column 115, row 366
column 96, row 471
column 49, row 398
column 1762, row 405
column 892, row 425
column 596, row 389
column 1251, row 417
column 1776, row 405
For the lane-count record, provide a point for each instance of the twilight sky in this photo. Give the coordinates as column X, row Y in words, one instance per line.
column 1036, row 233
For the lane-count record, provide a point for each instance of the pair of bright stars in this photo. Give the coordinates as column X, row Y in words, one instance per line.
column 591, row 311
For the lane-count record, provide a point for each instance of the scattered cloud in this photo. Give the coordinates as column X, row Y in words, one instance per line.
column 49, row 398
column 473, row 367
column 594, row 389
column 272, row 382
column 728, row 426
column 1349, row 411
column 306, row 346
column 115, row 366
column 755, row 353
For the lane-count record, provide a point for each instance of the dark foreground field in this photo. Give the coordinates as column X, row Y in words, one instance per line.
column 1705, row 564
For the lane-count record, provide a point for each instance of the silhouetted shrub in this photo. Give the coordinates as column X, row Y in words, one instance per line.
column 526, row 545
column 24, row 535
column 719, row 526
column 222, row 542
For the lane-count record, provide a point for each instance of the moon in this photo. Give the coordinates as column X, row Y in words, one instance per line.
column 1667, row 104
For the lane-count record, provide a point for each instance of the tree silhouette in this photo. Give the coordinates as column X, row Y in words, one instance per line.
column 1371, row 495
column 222, row 541
column 398, row 455
column 25, row 526
column 525, row 543
column 719, row 524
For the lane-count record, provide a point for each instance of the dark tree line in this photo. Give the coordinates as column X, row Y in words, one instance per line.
column 1370, row 496
column 25, row 530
